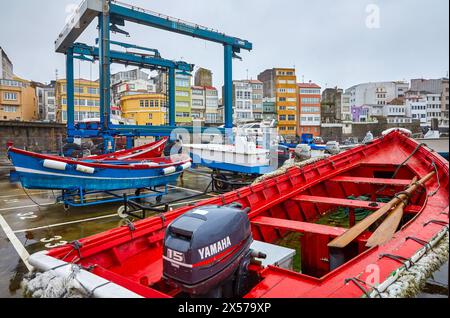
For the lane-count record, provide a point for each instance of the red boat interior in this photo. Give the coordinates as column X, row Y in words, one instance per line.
column 302, row 210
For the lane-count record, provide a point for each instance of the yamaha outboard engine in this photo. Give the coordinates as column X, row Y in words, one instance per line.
column 207, row 252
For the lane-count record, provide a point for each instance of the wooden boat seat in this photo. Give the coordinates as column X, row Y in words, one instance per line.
column 357, row 204
column 296, row 226
column 377, row 181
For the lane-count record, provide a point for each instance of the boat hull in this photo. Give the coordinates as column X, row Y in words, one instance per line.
column 292, row 203
column 33, row 174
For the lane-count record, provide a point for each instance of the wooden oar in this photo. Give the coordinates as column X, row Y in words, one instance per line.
column 387, row 229
column 349, row 236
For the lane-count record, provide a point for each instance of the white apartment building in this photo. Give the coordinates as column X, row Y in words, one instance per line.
column 416, row 108
column 243, row 101
column 434, row 107
column 212, row 105
column 379, row 93
column 205, row 104
column 6, row 66
column 131, row 75
column 198, row 103
column 46, row 102
column 346, row 109
column 393, row 113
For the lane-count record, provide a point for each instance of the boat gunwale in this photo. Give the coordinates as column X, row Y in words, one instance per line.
column 130, row 166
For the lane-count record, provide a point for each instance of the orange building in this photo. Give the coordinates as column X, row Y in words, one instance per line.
column 281, row 84
column 17, row 100
column 309, row 97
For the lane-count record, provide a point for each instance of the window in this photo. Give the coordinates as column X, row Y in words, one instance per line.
column 152, row 103
column 197, row 102
column 310, row 109
column 146, row 104
column 182, row 83
column 79, row 90
column 182, row 104
column 282, row 117
column 182, row 94
column 196, row 92
column 9, row 109
column 93, row 91
column 10, row 96
column 291, row 117
column 305, row 91
column 306, row 100
column 141, row 103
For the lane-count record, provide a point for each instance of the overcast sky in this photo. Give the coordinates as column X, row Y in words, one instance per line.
column 328, row 41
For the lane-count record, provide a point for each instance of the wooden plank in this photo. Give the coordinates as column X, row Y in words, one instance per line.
column 357, row 204
column 377, row 181
column 296, row 226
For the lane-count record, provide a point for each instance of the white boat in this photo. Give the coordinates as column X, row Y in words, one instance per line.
column 244, row 157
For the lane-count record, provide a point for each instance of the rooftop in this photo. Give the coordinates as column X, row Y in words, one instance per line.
column 308, row 85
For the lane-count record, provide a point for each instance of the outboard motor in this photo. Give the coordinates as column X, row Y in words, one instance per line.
column 207, row 252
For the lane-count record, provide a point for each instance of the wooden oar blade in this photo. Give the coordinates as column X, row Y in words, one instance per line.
column 349, row 236
column 387, row 229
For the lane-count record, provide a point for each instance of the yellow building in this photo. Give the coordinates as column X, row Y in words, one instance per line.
column 17, row 100
column 145, row 109
column 286, row 101
column 87, row 100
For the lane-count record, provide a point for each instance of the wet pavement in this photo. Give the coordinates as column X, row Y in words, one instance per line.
column 42, row 224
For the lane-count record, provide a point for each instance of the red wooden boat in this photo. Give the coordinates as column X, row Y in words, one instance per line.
column 206, row 249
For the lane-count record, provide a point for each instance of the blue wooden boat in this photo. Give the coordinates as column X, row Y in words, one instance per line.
column 39, row 171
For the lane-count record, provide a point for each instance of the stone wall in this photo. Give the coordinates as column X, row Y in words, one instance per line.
column 33, row 136
column 359, row 130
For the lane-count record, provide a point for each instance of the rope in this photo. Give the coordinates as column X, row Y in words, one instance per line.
column 432, row 194
column 358, row 282
column 39, row 206
column 400, row 259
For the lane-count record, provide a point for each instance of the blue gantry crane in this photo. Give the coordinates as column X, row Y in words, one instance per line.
column 92, row 53
column 112, row 15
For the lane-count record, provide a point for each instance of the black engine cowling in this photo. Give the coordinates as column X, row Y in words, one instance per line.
column 207, row 252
